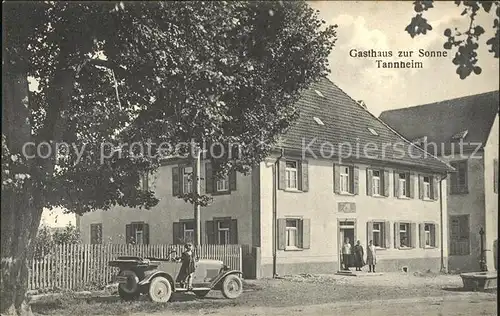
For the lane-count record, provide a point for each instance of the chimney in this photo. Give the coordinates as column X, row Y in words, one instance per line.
column 362, row 103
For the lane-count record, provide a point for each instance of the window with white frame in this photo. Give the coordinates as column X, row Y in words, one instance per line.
column 186, row 180
column 427, row 187
column 376, row 182
column 291, row 171
column 292, row 235
column 404, row 235
column 223, row 234
column 188, row 231
column 222, row 184
column 378, row 234
column 402, row 179
column 345, row 183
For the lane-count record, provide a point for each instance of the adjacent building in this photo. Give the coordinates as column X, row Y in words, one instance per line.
column 339, row 172
column 463, row 131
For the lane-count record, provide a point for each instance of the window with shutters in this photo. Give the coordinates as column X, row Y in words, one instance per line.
column 428, row 235
column 403, row 185
column 221, row 231
column 379, row 233
column 294, row 233
column 137, row 233
column 187, row 184
column 377, row 182
column 404, row 235
column 345, row 179
column 291, row 174
column 183, row 231
column 459, row 235
column 96, row 234
column 459, row 179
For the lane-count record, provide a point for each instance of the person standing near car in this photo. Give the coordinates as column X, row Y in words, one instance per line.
column 187, row 269
column 371, row 257
column 346, row 253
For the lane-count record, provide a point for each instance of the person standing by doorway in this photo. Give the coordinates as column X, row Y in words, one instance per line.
column 359, row 254
column 346, row 253
column 371, row 256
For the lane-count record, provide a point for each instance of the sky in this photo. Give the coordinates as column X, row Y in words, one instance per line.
column 380, row 25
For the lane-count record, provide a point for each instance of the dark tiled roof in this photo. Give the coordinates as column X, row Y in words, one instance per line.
column 442, row 120
column 346, row 121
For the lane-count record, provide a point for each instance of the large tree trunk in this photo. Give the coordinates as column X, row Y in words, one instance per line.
column 20, row 211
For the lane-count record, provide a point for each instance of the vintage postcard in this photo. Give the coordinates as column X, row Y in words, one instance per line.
column 250, row 158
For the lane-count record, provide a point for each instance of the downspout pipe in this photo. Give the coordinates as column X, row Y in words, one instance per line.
column 275, row 211
column 441, row 231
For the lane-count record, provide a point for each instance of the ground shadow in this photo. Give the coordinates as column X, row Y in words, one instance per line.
column 462, row 289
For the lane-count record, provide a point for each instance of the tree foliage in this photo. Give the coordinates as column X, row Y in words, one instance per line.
column 464, row 42
column 115, row 73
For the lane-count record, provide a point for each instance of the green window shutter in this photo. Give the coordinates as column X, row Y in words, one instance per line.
column 411, row 185
column 146, row 234
column 421, row 228
column 128, row 233
column 232, row 181
column 387, row 234
column 437, row 236
column 387, row 183
column 281, row 174
column 396, row 184
column 420, row 187
column 304, row 176
column 355, row 180
column 435, row 187
column 336, row 179
column 210, row 231
column 414, row 235
column 281, row 233
column 234, row 232
column 177, row 233
column 369, row 232
column 209, row 183
column 176, row 181
column 369, row 182
column 397, row 242
column 305, row 233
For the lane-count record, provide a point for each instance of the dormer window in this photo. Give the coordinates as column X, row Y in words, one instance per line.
column 420, row 141
column 318, row 121
column 319, row 93
column 374, row 132
column 460, row 135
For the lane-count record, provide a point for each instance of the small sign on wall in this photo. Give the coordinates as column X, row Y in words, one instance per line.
column 347, row 207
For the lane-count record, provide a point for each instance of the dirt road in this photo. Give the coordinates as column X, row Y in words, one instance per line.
column 456, row 305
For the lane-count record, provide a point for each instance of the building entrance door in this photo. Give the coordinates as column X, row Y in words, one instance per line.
column 346, row 230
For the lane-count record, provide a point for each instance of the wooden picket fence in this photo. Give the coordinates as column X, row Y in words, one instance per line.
column 80, row 266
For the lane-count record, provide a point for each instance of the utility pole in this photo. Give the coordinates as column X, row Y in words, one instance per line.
column 196, row 192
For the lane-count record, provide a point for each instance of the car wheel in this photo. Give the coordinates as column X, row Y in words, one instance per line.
column 232, row 286
column 160, row 290
column 127, row 296
column 201, row 294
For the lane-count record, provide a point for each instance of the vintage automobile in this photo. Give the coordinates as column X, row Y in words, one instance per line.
column 156, row 277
